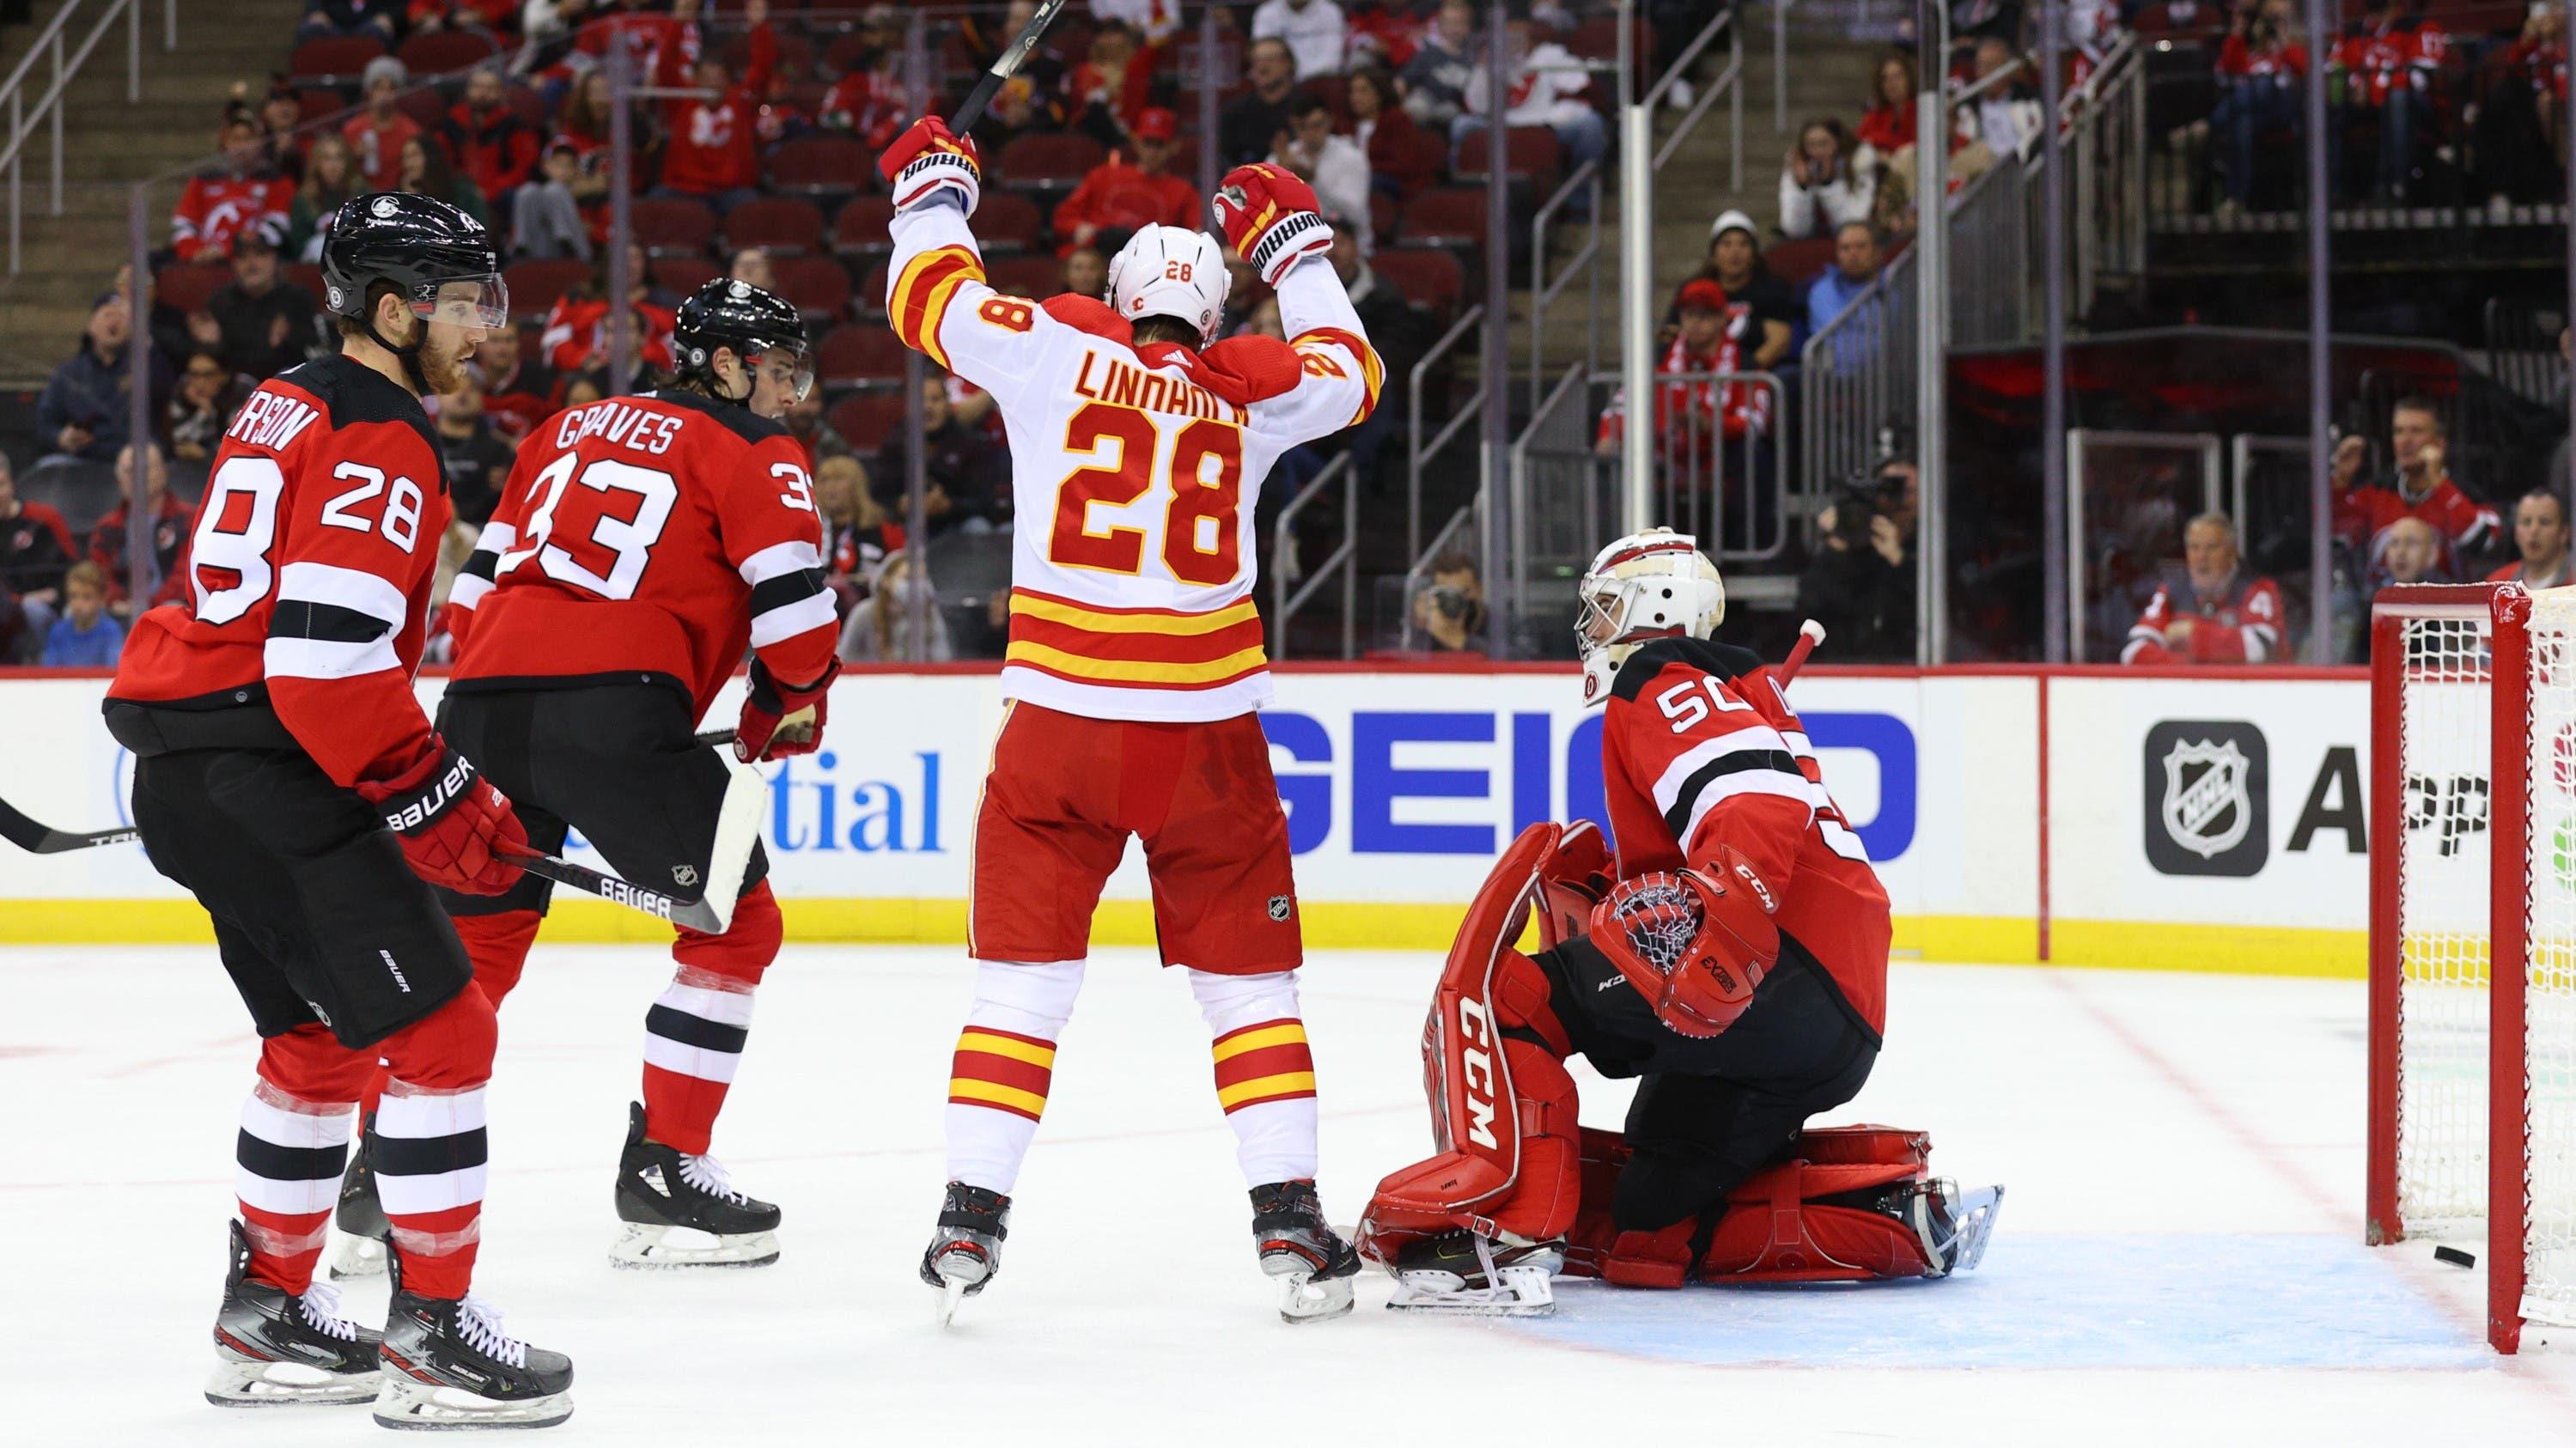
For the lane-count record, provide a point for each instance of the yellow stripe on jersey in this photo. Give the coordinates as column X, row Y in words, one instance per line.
column 1241, row 611
column 922, row 293
column 1130, row 671
column 1372, row 367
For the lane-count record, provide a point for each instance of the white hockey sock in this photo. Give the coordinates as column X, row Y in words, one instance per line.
column 1265, row 1076
column 997, row 1085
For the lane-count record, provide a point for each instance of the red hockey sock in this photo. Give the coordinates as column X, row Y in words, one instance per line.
column 429, row 1143
column 694, row 1034
column 498, row 946
column 293, row 1143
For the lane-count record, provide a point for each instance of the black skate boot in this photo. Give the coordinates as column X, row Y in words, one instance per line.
column 1301, row 1249
column 1462, row 1272
column 966, row 1250
column 1952, row 1225
column 359, row 1230
column 683, row 1211
column 277, row 1348
column 448, row 1364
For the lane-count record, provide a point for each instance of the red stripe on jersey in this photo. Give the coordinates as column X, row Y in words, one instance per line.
column 1158, row 648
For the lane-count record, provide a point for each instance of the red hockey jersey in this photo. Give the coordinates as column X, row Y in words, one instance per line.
column 216, row 208
column 2360, row 514
column 655, row 534
column 1700, row 748
column 711, row 145
column 2390, row 56
column 308, row 573
column 2242, row 625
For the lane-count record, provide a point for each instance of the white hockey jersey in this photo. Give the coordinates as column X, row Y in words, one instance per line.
column 1135, row 472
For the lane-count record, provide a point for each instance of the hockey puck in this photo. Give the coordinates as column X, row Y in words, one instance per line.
column 2454, row 1256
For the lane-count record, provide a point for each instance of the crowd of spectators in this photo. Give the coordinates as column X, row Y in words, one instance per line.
column 504, row 110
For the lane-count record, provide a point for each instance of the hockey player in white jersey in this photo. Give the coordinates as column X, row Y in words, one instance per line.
column 1139, row 445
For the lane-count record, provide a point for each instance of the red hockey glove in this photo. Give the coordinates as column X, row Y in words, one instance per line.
column 457, row 829
column 1694, row 945
column 782, row 719
column 927, row 157
column 1271, row 218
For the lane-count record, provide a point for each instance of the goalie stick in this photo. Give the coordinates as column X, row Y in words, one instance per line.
column 1005, row 65
column 1810, row 634
column 709, row 912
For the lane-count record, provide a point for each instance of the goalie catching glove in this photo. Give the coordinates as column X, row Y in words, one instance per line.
column 927, row 158
column 1694, row 945
column 782, row 719
column 457, row 828
column 1271, row 218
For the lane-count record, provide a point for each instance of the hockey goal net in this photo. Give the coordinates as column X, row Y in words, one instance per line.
column 2473, row 937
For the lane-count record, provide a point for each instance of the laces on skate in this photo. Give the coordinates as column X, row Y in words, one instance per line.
column 708, row 1175
column 480, row 1322
column 320, row 1305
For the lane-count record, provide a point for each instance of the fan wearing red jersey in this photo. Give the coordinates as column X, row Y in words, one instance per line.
column 1731, row 955
column 1138, row 448
column 284, row 774
column 641, row 545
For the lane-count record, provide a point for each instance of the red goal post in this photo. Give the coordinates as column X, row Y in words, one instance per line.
column 2472, row 1125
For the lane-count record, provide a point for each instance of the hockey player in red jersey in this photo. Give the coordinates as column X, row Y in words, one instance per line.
column 285, row 775
column 2222, row 616
column 641, row 544
column 1139, row 446
column 1731, row 954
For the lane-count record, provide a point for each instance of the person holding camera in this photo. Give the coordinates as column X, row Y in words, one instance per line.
column 1860, row 583
column 1452, row 609
column 2219, row 616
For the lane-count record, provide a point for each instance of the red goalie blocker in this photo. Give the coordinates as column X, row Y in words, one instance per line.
column 1512, row 1159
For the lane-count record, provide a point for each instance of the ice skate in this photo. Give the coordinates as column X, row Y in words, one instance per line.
column 966, row 1250
column 1465, row 1273
column 679, row 1210
column 449, row 1364
column 1315, row 1266
column 1952, row 1224
column 277, row 1348
column 359, row 1231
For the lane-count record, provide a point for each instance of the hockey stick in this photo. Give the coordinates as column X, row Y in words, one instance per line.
column 1810, row 634
column 1005, row 65
column 37, row 839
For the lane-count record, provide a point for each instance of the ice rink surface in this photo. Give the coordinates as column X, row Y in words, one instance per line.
column 2178, row 1260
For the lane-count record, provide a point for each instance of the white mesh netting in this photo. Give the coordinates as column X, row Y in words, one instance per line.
column 2549, row 1019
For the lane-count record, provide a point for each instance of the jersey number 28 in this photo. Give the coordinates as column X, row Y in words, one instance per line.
column 1200, row 543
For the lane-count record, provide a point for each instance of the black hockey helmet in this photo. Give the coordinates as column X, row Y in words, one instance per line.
column 433, row 253
column 753, row 322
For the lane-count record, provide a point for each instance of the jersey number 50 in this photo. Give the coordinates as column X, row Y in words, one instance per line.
column 1200, row 528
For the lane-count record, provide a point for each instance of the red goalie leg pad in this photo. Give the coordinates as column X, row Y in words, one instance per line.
column 1542, row 1194
column 1775, row 1230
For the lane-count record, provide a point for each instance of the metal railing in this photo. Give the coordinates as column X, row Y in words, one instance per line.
column 1417, row 453
column 1729, row 83
column 1724, row 473
column 1586, row 260
column 46, row 111
column 2082, row 447
column 1343, row 560
column 1855, row 375
column 1564, row 498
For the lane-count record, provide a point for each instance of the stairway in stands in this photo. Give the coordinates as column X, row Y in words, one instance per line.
column 109, row 143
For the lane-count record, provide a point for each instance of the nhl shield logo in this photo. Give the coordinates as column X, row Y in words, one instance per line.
column 1280, row 905
column 2206, row 809
column 2207, row 806
column 684, row 875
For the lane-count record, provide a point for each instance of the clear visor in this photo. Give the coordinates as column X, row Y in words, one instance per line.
column 787, row 371
column 475, row 302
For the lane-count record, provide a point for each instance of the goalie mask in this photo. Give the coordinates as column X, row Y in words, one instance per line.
column 1650, row 585
column 1171, row 271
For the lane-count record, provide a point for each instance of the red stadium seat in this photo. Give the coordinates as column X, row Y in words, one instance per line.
column 1334, row 91
column 784, row 225
column 867, row 420
column 1008, row 221
column 861, row 225
column 863, row 353
column 674, row 226
column 872, row 290
column 187, row 285
column 822, row 166
column 1384, row 222
column 530, row 108
column 318, row 101
column 1531, row 153
column 1429, row 279
column 1425, row 155
column 332, row 60
column 818, row 285
column 1800, row 262
column 308, row 276
column 535, row 286
column 848, row 51
column 1026, row 276
column 1049, row 162
column 795, row 54
column 681, row 275
column 1446, row 216
column 424, row 105
column 441, row 51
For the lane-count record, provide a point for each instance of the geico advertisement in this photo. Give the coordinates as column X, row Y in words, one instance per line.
column 1399, row 787
column 2220, row 801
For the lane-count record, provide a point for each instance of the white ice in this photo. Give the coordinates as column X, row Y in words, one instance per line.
column 2179, row 1260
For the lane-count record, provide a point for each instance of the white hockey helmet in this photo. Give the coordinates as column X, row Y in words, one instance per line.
column 1171, row 271
column 1650, row 585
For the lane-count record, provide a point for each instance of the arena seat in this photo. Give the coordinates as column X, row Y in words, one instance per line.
column 1446, row 216
column 1049, row 162
column 1530, row 153
column 1802, row 261
column 187, row 285
column 1037, row 277
column 861, row 353
column 826, row 165
column 860, row 227
column 681, row 275
column 1008, row 221
column 673, row 226
column 535, row 286
column 333, row 59
column 868, row 419
column 785, row 225
column 1429, row 278
column 818, row 285
column 438, row 52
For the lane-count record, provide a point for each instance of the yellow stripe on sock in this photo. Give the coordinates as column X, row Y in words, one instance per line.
column 1286, row 1033
column 1279, row 1085
column 1011, row 1096
column 992, row 1045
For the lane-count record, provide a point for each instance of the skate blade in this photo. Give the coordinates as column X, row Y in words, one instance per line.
column 280, row 1385
column 1977, row 1211
column 412, row 1404
column 1313, row 1299
column 1523, row 1291
column 355, row 1256
column 952, row 1293
column 648, row 1246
